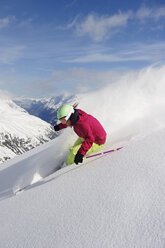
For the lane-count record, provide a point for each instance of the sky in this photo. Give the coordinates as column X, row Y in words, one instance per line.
column 51, row 47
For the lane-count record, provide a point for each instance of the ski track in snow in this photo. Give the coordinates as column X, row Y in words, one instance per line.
column 31, row 167
column 25, row 171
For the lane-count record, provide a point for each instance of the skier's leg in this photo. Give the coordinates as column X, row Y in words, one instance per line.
column 79, row 141
column 95, row 147
column 74, row 149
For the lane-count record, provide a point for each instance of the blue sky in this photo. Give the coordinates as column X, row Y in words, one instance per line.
column 49, row 47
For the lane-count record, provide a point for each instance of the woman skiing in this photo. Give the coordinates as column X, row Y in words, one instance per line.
column 91, row 133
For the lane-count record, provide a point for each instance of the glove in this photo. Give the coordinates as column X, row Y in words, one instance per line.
column 56, row 128
column 78, row 158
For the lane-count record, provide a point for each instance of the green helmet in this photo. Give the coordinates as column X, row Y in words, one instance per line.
column 65, row 112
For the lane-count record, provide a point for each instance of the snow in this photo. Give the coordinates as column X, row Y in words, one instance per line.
column 16, row 120
column 132, row 106
column 113, row 201
column 116, row 200
column 20, row 131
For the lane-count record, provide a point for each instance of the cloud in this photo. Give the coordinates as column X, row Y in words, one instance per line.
column 137, row 52
column 10, row 54
column 100, row 27
column 70, row 25
column 159, row 13
column 71, row 4
column 6, row 21
column 154, row 13
column 5, row 95
column 71, row 81
column 144, row 13
column 80, row 79
column 44, row 86
column 26, row 23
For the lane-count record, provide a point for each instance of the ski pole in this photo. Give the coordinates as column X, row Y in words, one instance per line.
column 102, row 153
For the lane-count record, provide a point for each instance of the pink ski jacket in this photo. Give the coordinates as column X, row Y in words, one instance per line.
column 88, row 128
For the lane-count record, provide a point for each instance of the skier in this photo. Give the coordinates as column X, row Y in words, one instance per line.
column 91, row 133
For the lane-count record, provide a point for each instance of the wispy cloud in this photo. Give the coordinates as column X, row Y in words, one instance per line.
column 70, row 25
column 137, row 52
column 99, row 27
column 9, row 21
column 72, row 80
column 75, row 78
column 9, row 54
column 25, row 23
column 71, row 4
column 42, row 86
column 154, row 13
column 6, row 21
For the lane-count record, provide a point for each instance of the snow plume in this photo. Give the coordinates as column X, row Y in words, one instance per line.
column 5, row 95
column 130, row 107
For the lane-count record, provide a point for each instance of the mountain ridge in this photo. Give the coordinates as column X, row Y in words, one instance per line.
column 20, row 131
column 45, row 108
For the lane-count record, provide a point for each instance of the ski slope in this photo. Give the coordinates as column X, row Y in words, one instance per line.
column 113, row 201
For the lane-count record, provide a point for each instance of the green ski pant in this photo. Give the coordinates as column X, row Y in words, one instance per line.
column 74, row 149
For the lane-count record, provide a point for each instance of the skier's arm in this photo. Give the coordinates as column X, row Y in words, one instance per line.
column 60, row 127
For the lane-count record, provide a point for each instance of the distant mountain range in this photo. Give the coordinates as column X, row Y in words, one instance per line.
column 20, row 131
column 45, row 108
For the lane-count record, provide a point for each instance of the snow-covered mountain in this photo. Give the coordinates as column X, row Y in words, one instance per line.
column 20, row 131
column 45, row 108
